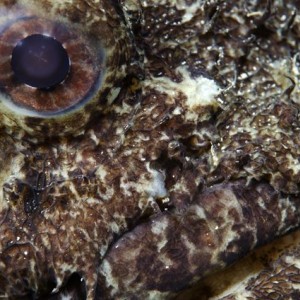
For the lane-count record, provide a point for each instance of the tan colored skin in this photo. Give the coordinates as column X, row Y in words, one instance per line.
column 138, row 191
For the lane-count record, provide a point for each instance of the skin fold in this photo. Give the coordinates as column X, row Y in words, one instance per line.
column 180, row 160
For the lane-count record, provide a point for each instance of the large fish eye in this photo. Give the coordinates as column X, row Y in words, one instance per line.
column 46, row 66
column 56, row 71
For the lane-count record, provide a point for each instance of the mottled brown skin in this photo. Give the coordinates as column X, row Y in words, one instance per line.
column 81, row 211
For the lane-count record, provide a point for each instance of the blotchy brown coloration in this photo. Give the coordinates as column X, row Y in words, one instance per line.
column 180, row 164
column 221, row 225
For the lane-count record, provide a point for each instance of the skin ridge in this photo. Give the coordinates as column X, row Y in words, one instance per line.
column 225, row 220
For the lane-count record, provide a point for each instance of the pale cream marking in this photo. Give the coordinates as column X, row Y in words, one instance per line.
column 153, row 187
column 199, row 91
column 294, row 163
column 158, row 228
column 189, row 10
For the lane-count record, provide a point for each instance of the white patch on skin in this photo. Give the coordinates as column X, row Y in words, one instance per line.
column 200, row 212
column 293, row 163
column 10, row 171
column 66, row 297
column 189, row 11
column 159, row 227
column 191, row 248
column 161, row 244
column 286, row 74
column 177, row 111
column 92, row 201
column 292, row 260
column 101, row 172
column 285, row 209
column 235, row 288
column 155, row 295
column 113, row 95
column 153, row 187
column 214, row 157
column 200, row 91
column 125, row 186
column 156, row 188
column 283, row 217
column 108, row 195
column 124, row 109
column 279, row 68
column 93, row 136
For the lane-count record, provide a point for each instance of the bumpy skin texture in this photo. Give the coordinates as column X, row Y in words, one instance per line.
column 187, row 168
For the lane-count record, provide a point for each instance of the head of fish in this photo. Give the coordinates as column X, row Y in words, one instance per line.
column 169, row 152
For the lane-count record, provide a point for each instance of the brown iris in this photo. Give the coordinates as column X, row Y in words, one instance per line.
column 35, row 87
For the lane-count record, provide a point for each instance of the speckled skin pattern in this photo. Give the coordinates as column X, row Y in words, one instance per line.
column 181, row 162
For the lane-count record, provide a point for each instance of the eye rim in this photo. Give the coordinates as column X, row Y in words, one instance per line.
column 121, row 56
column 81, row 53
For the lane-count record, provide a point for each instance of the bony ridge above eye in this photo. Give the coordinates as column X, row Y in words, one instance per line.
column 99, row 51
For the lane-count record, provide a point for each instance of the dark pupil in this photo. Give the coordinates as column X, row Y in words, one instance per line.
column 40, row 61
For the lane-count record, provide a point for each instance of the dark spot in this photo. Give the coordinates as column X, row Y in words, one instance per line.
column 31, row 197
column 172, row 166
column 62, row 201
column 30, row 296
column 238, row 248
column 164, row 204
column 295, row 295
column 140, row 217
column 41, row 181
column 40, row 61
